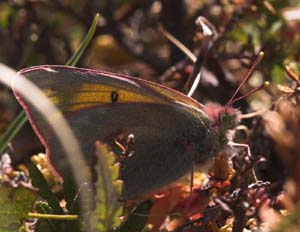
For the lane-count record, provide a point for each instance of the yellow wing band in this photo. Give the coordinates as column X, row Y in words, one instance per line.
column 92, row 95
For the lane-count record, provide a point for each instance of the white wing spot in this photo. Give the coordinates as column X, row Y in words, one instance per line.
column 50, row 70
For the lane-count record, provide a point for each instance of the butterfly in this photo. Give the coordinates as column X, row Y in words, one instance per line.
column 171, row 131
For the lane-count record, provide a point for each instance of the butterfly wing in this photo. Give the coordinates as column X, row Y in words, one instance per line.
column 104, row 106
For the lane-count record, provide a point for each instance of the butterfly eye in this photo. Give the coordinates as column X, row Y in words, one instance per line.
column 223, row 117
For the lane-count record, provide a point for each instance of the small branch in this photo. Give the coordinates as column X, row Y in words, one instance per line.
column 178, row 44
column 239, row 217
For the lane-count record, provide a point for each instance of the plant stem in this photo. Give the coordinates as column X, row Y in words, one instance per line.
column 53, row 216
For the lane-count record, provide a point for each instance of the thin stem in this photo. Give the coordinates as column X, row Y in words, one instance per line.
column 179, row 45
column 53, row 216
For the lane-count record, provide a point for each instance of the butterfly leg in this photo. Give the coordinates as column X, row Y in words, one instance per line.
column 189, row 202
column 192, row 178
column 127, row 150
column 245, row 146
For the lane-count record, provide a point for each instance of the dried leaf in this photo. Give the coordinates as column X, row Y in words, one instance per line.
column 163, row 206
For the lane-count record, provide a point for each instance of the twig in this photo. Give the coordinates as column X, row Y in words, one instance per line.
column 178, row 44
column 239, row 217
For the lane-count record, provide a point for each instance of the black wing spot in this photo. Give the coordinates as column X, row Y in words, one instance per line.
column 114, row 96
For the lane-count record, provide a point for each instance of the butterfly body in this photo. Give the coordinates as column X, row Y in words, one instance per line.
column 171, row 130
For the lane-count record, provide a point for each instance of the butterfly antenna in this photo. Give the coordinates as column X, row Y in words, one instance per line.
column 266, row 84
column 245, row 79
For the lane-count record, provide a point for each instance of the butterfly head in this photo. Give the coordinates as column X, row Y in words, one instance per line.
column 226, row 117
column 221, row 118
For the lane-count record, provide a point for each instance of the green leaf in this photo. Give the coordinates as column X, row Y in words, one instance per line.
column 45, row 192
column 86, row 41
column 137, row 219
column 15, row 205
column 21, row 119
column 108, row 191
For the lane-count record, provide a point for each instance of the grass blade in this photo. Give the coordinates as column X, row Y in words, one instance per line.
column 12, row 130
column 86, row 41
